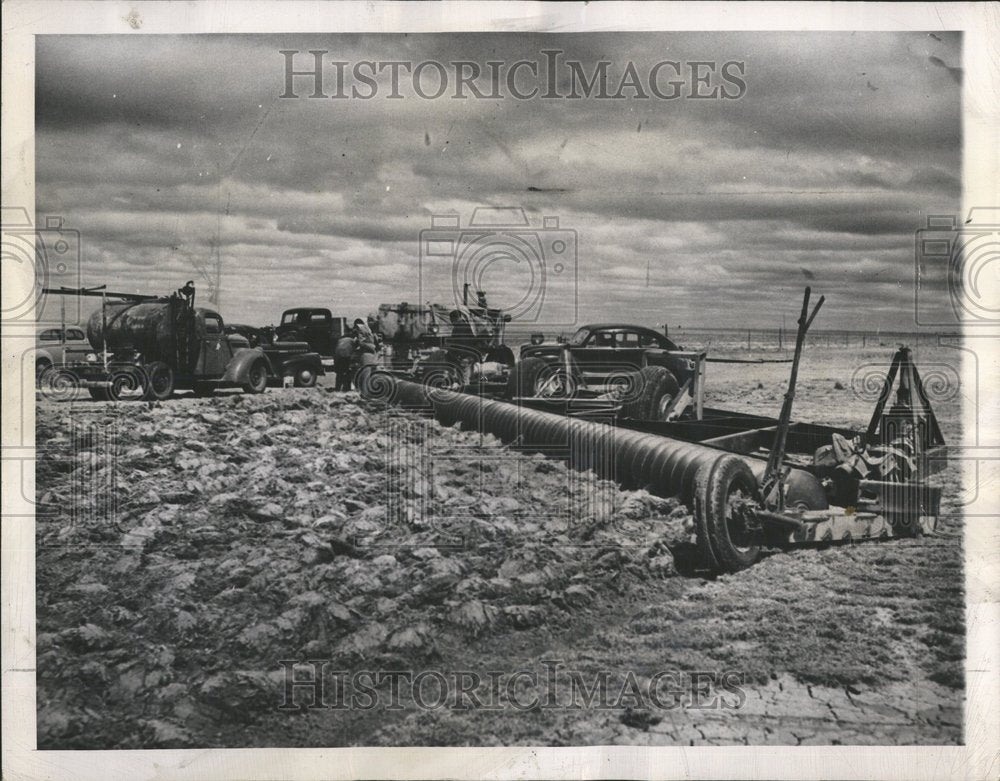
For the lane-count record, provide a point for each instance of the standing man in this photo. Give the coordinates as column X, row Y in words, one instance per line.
column 461, row 346
column 343, row 359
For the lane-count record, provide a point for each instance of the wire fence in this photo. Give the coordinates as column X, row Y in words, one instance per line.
column 783, row 340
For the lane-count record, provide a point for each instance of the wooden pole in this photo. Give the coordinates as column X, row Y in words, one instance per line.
column 773, row 477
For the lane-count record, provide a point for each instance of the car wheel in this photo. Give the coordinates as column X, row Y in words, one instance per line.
column 41, row 366
column 58, row 384
column 305, row 377
column 256, row 378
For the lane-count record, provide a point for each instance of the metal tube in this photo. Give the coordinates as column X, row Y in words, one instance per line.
column 634, row 458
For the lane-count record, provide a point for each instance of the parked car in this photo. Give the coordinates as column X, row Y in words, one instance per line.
column 55, row 347
column 605, row 358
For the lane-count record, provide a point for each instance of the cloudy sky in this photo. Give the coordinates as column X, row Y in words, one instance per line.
column 166, row 152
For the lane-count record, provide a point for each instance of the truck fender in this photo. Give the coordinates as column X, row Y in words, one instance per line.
column 243, row 359
column 303, row 360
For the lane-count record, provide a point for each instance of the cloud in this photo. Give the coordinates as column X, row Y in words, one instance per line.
column 169, row 151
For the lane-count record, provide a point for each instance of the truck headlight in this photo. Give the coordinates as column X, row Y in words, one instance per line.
column 91, row 358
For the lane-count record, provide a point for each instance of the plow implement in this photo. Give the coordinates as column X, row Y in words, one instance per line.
column 752, row 482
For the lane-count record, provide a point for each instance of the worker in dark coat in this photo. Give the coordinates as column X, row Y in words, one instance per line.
column 364, row 337
column 343, row 361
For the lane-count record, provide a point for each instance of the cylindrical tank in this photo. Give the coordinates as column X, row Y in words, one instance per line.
column 148, row 328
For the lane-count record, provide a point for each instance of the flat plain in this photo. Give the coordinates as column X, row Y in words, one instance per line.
column 247, row 531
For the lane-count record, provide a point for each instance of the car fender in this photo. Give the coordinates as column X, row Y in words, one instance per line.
column 239, row 367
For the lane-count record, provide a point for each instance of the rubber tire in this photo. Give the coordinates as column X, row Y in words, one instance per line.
column 654, row 383
column 305, row 377
column 99, row 394
column 167, row 388
column 713, row 483
column 55, row 382
column 138, row 379
column 41, row 367
column 523, row 376
column 256, row 378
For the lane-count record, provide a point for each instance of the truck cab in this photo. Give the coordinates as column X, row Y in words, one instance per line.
column 316, row 326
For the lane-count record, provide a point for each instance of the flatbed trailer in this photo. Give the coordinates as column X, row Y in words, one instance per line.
column 752, row 481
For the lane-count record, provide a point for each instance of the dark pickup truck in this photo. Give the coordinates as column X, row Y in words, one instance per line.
column 315, row 326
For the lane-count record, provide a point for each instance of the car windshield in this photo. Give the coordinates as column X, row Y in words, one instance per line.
column 288, row 317
column 577, row 339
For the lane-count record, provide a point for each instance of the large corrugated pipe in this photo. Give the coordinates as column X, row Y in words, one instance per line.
column 632, row 458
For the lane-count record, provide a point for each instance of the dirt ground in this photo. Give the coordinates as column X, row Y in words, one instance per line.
column 190, row 551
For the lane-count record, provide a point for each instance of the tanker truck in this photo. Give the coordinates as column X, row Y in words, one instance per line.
column 145, row 347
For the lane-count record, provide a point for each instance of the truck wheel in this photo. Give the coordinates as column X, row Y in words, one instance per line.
column 128, row 384
column 723, row 489
column 655, row 386
column 159, row 382
column 523, row 376
column 256, row 378
column 305, row 377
